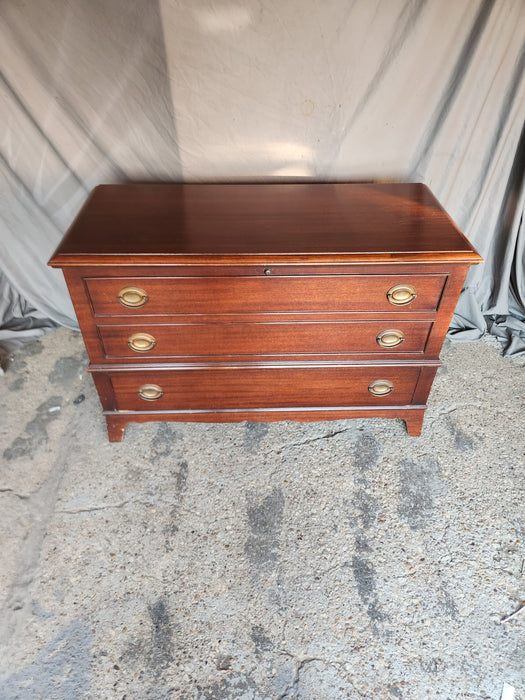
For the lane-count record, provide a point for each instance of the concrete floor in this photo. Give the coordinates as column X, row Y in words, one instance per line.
column 306, row 561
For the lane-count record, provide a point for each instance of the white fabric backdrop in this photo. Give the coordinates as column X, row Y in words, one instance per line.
column 229, row 90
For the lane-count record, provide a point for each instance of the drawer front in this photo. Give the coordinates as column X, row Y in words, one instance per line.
column 238, row 388
column 273, row 294
column 268, row 338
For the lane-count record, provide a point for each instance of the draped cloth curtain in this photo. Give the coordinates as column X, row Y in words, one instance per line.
column 262, row 90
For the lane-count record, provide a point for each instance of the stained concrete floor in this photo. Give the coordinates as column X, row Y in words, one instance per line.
column 307, row 561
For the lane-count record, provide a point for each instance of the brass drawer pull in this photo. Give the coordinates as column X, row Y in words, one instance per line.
column 381, row 387
column 150, row 392
column 133, row 297
column 268, row 271
column 401, row 294
column 141, row 342
column 390, row 338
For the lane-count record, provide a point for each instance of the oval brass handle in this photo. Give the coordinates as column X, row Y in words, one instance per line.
column 141, row 342
column 390, row 338
column 150, row 392
column 401, row 294
column 133, row 297
column 381, row 387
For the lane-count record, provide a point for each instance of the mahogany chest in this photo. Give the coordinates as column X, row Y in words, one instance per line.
column 263, row 302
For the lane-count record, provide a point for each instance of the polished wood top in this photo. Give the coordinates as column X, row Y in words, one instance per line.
column 210, row 223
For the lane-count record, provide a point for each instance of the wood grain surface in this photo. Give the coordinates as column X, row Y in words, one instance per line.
column 322, row 293
column 266, row 338
column 146, row 223
column 282, row 387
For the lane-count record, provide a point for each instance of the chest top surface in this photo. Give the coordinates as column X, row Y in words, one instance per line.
column 172, row 223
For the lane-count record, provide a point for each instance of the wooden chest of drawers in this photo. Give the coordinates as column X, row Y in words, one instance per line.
column 263, row 302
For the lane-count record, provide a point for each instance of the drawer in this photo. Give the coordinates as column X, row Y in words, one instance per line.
column 275, row 387
column 272, row 294
column 265, row 338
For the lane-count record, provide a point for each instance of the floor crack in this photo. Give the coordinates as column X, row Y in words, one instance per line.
column 326, row 436
column 293, row 687
column 22, row 496
column 93, row 509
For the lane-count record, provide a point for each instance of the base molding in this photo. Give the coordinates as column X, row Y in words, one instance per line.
column 117, row 421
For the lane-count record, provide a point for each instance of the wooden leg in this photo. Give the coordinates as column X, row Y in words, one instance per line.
column 115, row 428
column 414, row 422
